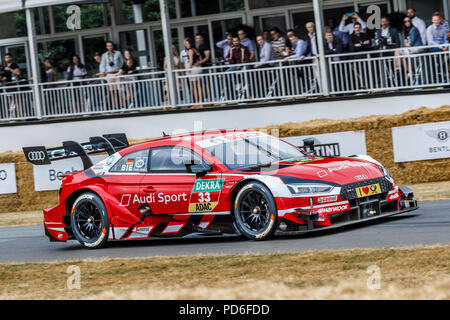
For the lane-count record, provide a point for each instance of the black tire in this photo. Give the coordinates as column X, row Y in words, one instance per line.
column 89, row 220
column 255, row 212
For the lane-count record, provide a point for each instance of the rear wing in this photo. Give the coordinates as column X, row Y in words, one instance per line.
column 110, row 143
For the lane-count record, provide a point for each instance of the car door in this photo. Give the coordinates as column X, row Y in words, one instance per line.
column 168, row 184
column 124, row 183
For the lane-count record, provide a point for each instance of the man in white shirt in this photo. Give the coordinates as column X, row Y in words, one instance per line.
column 349, row 27
column 418, row 23
column 265, row 52
column 225, row 44
column 312, row 39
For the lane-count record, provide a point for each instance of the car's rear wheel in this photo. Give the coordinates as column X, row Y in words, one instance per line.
column 89, row 220
column 255, row 212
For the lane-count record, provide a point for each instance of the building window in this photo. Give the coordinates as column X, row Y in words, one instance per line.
column 126, row 13
column 14, row 24
column 191, row 8
column 257, row 4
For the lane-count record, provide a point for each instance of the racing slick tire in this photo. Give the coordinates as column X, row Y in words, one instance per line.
column 255, row 211
column 89, row 221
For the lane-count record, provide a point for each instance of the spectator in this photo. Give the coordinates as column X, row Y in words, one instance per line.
column 418, row 23
column 48, row 71
column 225, row 45
column 332, row 45
column 238, row 54
column 204, row 51
column 412, row 39
column 343, row 36
column 266, row 36
column 193, row 68
column 289, row 48
column 112, row 61
column 177, row 64
column 128, row 68
column 443, row 21
column 359, row 41
column 349, row 28
column 265, row 53
column 387, row 37
column 311, row 40
column 300, row 48
column 437, row 33
column 11, row 71
column 98, row 60
column 76, row 71
column 278, row 43
column 245, row 41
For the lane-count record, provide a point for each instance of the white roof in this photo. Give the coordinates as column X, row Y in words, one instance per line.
column 15, row 5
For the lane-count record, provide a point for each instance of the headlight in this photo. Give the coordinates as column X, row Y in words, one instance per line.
column 309, row 188
column 385, row 172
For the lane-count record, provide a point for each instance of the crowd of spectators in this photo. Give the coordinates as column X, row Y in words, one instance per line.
column 240, row 52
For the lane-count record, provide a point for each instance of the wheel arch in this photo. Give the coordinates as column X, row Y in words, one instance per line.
column 74, row 195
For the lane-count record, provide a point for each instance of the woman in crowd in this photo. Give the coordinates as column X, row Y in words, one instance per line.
column 177, row 64
column 193, row 69
column 412, row 39
column 128, row 68
column 48, row 72
column 77, row 71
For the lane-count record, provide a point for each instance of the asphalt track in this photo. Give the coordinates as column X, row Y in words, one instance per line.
column 429, row 225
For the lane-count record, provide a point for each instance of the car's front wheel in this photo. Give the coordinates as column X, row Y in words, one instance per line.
column 89, row 220
column 255, row 212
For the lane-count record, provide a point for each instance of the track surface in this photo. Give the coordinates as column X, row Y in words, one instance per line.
column 429, row 225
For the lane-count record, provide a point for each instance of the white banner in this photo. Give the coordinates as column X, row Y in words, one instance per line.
column 421, row 142
column 46, row 177
column 8, row 178
column 335, row 144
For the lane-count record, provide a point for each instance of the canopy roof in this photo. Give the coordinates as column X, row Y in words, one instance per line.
column 15, row 5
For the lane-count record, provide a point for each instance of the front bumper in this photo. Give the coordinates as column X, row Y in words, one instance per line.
column 301, row 220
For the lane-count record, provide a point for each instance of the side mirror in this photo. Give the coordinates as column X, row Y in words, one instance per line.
column 197, row 167
column 308, row 145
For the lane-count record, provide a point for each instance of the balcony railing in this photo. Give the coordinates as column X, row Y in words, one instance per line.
column 372, row 71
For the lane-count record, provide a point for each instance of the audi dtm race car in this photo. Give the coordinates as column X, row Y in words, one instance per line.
column 212, row 183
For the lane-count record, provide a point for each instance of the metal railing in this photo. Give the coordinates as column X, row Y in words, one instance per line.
column 369, row 71
column 100, row 95
column 245, row 82
column 390, row 69
column 17, row 102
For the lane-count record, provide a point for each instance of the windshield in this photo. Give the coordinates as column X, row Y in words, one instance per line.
column 246, row 149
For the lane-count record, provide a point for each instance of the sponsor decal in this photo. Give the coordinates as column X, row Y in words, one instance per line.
column 421, row 142
column 334, row 209
column 441, row 135
column 327, row 199
column 3, row 175
column 140, row 163
column 369, row 190
column 325, row 150
column 166, row 199
column 361, row 177
column 303, row 160
column 205, row 195
column 228, row 137
column 322, row 173
column 208, row 185
column 393, row 196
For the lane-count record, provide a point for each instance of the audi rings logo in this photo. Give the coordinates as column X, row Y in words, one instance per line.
column 36, row 155
column 3, row 175
column 361, row 177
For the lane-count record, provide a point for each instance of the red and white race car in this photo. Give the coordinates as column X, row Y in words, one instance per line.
column 212, row 183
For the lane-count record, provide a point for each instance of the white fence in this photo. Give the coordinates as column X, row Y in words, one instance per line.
column 16, row 102
column 381, row 70
column 371, row 71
